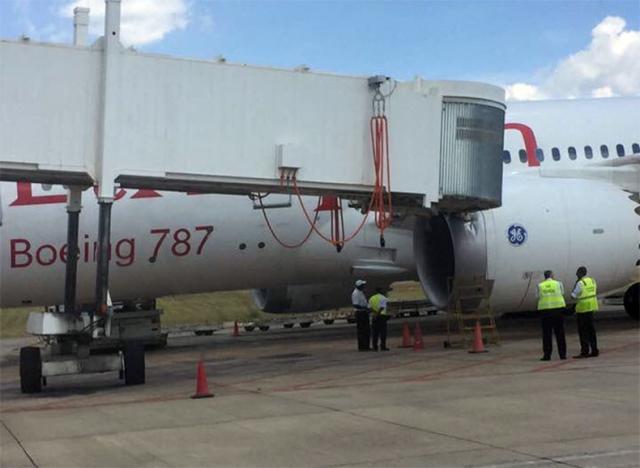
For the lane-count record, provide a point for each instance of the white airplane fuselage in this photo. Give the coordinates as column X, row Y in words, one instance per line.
column 174, row 243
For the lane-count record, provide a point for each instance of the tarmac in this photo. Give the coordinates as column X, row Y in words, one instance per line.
column 305, row 397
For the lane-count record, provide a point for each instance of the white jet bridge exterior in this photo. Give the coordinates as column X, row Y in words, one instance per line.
column 107, row 116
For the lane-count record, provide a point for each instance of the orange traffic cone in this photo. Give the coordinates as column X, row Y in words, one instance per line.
column 202, row 388
column 406, row 335
column 417, row 338
column 236, row 331
column 478, row 345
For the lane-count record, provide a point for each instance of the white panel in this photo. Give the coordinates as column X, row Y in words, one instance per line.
column 49, row 105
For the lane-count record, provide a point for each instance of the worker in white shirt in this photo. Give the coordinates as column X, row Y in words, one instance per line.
column 361, row 309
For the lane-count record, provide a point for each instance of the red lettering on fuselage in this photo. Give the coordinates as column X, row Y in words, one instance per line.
column 25, row 196
column 28, row 258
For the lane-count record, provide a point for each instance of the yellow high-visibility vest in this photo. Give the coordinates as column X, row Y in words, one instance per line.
column 587, row 301
column 550, row 295
column 376, row 304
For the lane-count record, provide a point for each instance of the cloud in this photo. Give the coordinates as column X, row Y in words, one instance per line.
column 608, row 66
column 523, row 92
column 143, row 21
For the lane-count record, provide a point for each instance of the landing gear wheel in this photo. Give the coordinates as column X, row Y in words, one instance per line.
column 632, row 301
column 30, row 370
column 305, row 324
column 134, row 367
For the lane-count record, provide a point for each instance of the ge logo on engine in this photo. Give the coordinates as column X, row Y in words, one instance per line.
column 516, row 235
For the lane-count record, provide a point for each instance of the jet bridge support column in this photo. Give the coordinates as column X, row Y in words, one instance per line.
column 74, row 198
column 102, row 269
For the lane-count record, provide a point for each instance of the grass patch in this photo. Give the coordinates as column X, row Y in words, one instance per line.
column 198, row 309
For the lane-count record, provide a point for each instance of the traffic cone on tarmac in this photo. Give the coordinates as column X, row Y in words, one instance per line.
column 406, row 335
column 417, row 338
column 478, row 345
column 202, row 388
column 236, row 331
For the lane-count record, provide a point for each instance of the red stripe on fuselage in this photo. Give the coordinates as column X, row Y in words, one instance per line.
column 530, row 144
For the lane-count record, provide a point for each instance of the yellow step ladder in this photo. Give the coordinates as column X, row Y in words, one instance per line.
column 468, row 305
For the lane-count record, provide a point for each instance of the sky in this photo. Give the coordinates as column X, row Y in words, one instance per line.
column 535, row 49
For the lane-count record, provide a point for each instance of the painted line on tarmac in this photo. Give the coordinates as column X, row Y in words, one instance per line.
column 556, row 365
column 564, row 459
column 304, row 385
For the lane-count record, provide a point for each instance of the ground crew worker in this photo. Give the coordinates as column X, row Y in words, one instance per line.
column 361, row 309
column 586, row 306
column 551, row 306
column 379, row 317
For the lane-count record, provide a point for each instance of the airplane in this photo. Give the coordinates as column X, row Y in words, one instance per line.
column 570, row 198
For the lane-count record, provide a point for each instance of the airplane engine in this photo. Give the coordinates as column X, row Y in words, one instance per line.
column 543, row 224
column 303, row 298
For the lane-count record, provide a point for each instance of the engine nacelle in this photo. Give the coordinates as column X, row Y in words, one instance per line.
column 543, row 224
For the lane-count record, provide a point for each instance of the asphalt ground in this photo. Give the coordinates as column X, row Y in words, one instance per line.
column 306, row 397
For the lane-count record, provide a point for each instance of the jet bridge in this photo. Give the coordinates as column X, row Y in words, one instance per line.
column 107, row 116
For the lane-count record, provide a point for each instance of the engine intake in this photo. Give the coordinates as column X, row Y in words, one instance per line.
column 448, row 246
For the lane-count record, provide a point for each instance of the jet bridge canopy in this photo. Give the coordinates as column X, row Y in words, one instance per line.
column 105, row 115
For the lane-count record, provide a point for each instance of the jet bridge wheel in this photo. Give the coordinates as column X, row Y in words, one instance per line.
column 632, row 301
column 30, row 370
column 134, row 365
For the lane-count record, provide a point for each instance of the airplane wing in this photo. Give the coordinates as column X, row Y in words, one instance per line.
column 632, row 159
column 623, row 172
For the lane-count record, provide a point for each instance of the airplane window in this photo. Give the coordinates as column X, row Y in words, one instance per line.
column 636, row 148
column 506, row 157
column 588, row 152
column 604, row 151
column 555, row 152
column 620, row 150
column 540, row 154
column 572, row 153
column 523, row 155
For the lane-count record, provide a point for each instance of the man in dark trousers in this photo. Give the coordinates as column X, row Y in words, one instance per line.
column 379, row 317
column 586, row 305
column 551, row 306
column 361, row 308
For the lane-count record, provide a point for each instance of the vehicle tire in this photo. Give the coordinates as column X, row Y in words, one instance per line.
column 632, row 301
column 249, row 328
column 202, row 333
column 351, row 320
column 446, row 345
column 264, row 327
column 134, row 367
column 328, row 321
column 30, row 370
column 305, row 324
column 287, row 325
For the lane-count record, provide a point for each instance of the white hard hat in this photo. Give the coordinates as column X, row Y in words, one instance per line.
column 360, row 283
